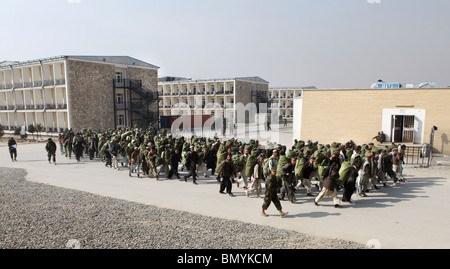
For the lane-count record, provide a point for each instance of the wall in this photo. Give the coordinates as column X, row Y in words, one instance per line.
column 90, row 95
column 243, row 94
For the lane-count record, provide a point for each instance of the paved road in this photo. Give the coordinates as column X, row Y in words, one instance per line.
column 411, row 215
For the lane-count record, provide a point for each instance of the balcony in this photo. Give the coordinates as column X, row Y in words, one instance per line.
column 127, row 83
column 49, row 83
column 18, row 85
column 60, row 81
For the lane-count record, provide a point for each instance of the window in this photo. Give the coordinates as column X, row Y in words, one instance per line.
column 119, row 99
column 120, row 120
column 119, row 76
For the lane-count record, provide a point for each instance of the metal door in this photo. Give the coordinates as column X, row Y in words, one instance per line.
column 408, row 129
column 397, row 125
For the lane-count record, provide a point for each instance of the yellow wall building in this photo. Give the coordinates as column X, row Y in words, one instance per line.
column 405, row 115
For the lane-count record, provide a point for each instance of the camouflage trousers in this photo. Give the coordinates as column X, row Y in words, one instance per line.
column 269, row 199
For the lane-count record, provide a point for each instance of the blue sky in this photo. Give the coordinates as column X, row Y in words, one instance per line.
column 326, row 43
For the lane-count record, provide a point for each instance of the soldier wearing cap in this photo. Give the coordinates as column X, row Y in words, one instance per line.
column 270, row 196
column 50, row 147
column 12, row 145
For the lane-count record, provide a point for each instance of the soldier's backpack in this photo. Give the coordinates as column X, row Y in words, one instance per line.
column 266, row 169
column 282, row 161
column 320, row 156
column 250, row 165
column 298, row 170
column 343, row 172
column 323, row 171
column 238, row 161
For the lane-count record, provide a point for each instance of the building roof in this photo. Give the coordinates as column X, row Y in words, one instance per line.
column 124, row 60
column 293, row 88
column 189, row 80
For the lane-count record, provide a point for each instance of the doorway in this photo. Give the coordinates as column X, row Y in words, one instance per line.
column 403, row 128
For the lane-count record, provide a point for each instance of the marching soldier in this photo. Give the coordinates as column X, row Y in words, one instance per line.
column 271, row 194
column 12, row 145
column 50, row 147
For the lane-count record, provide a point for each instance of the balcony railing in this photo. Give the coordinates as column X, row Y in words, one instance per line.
column 49, row 83
column 31, row 107
column 127, row 83
column 60, row 81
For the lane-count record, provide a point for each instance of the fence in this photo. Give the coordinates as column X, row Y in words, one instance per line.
column 418, row 155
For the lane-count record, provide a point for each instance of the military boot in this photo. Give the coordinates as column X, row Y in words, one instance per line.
column 263, row 213
column 282, row 214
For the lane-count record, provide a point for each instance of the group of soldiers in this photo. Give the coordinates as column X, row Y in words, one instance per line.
column 332, row 167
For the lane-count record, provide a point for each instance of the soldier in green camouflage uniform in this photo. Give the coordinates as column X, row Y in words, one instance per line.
column 272, row 187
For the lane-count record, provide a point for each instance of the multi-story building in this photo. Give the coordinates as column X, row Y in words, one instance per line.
column 283, row 100
column 76, row 92
column 181, row 96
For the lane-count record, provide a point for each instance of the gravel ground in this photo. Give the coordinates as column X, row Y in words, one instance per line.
column 40, row 216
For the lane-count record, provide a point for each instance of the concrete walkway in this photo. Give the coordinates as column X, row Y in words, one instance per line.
column 412, row 215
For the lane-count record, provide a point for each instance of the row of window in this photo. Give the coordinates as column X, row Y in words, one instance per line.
column 211, row 90
column 213, row 101
column 283, row 95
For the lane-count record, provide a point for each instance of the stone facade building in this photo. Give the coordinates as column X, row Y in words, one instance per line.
column 76, row 92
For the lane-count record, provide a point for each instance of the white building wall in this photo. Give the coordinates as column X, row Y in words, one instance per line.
column 298, row 113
